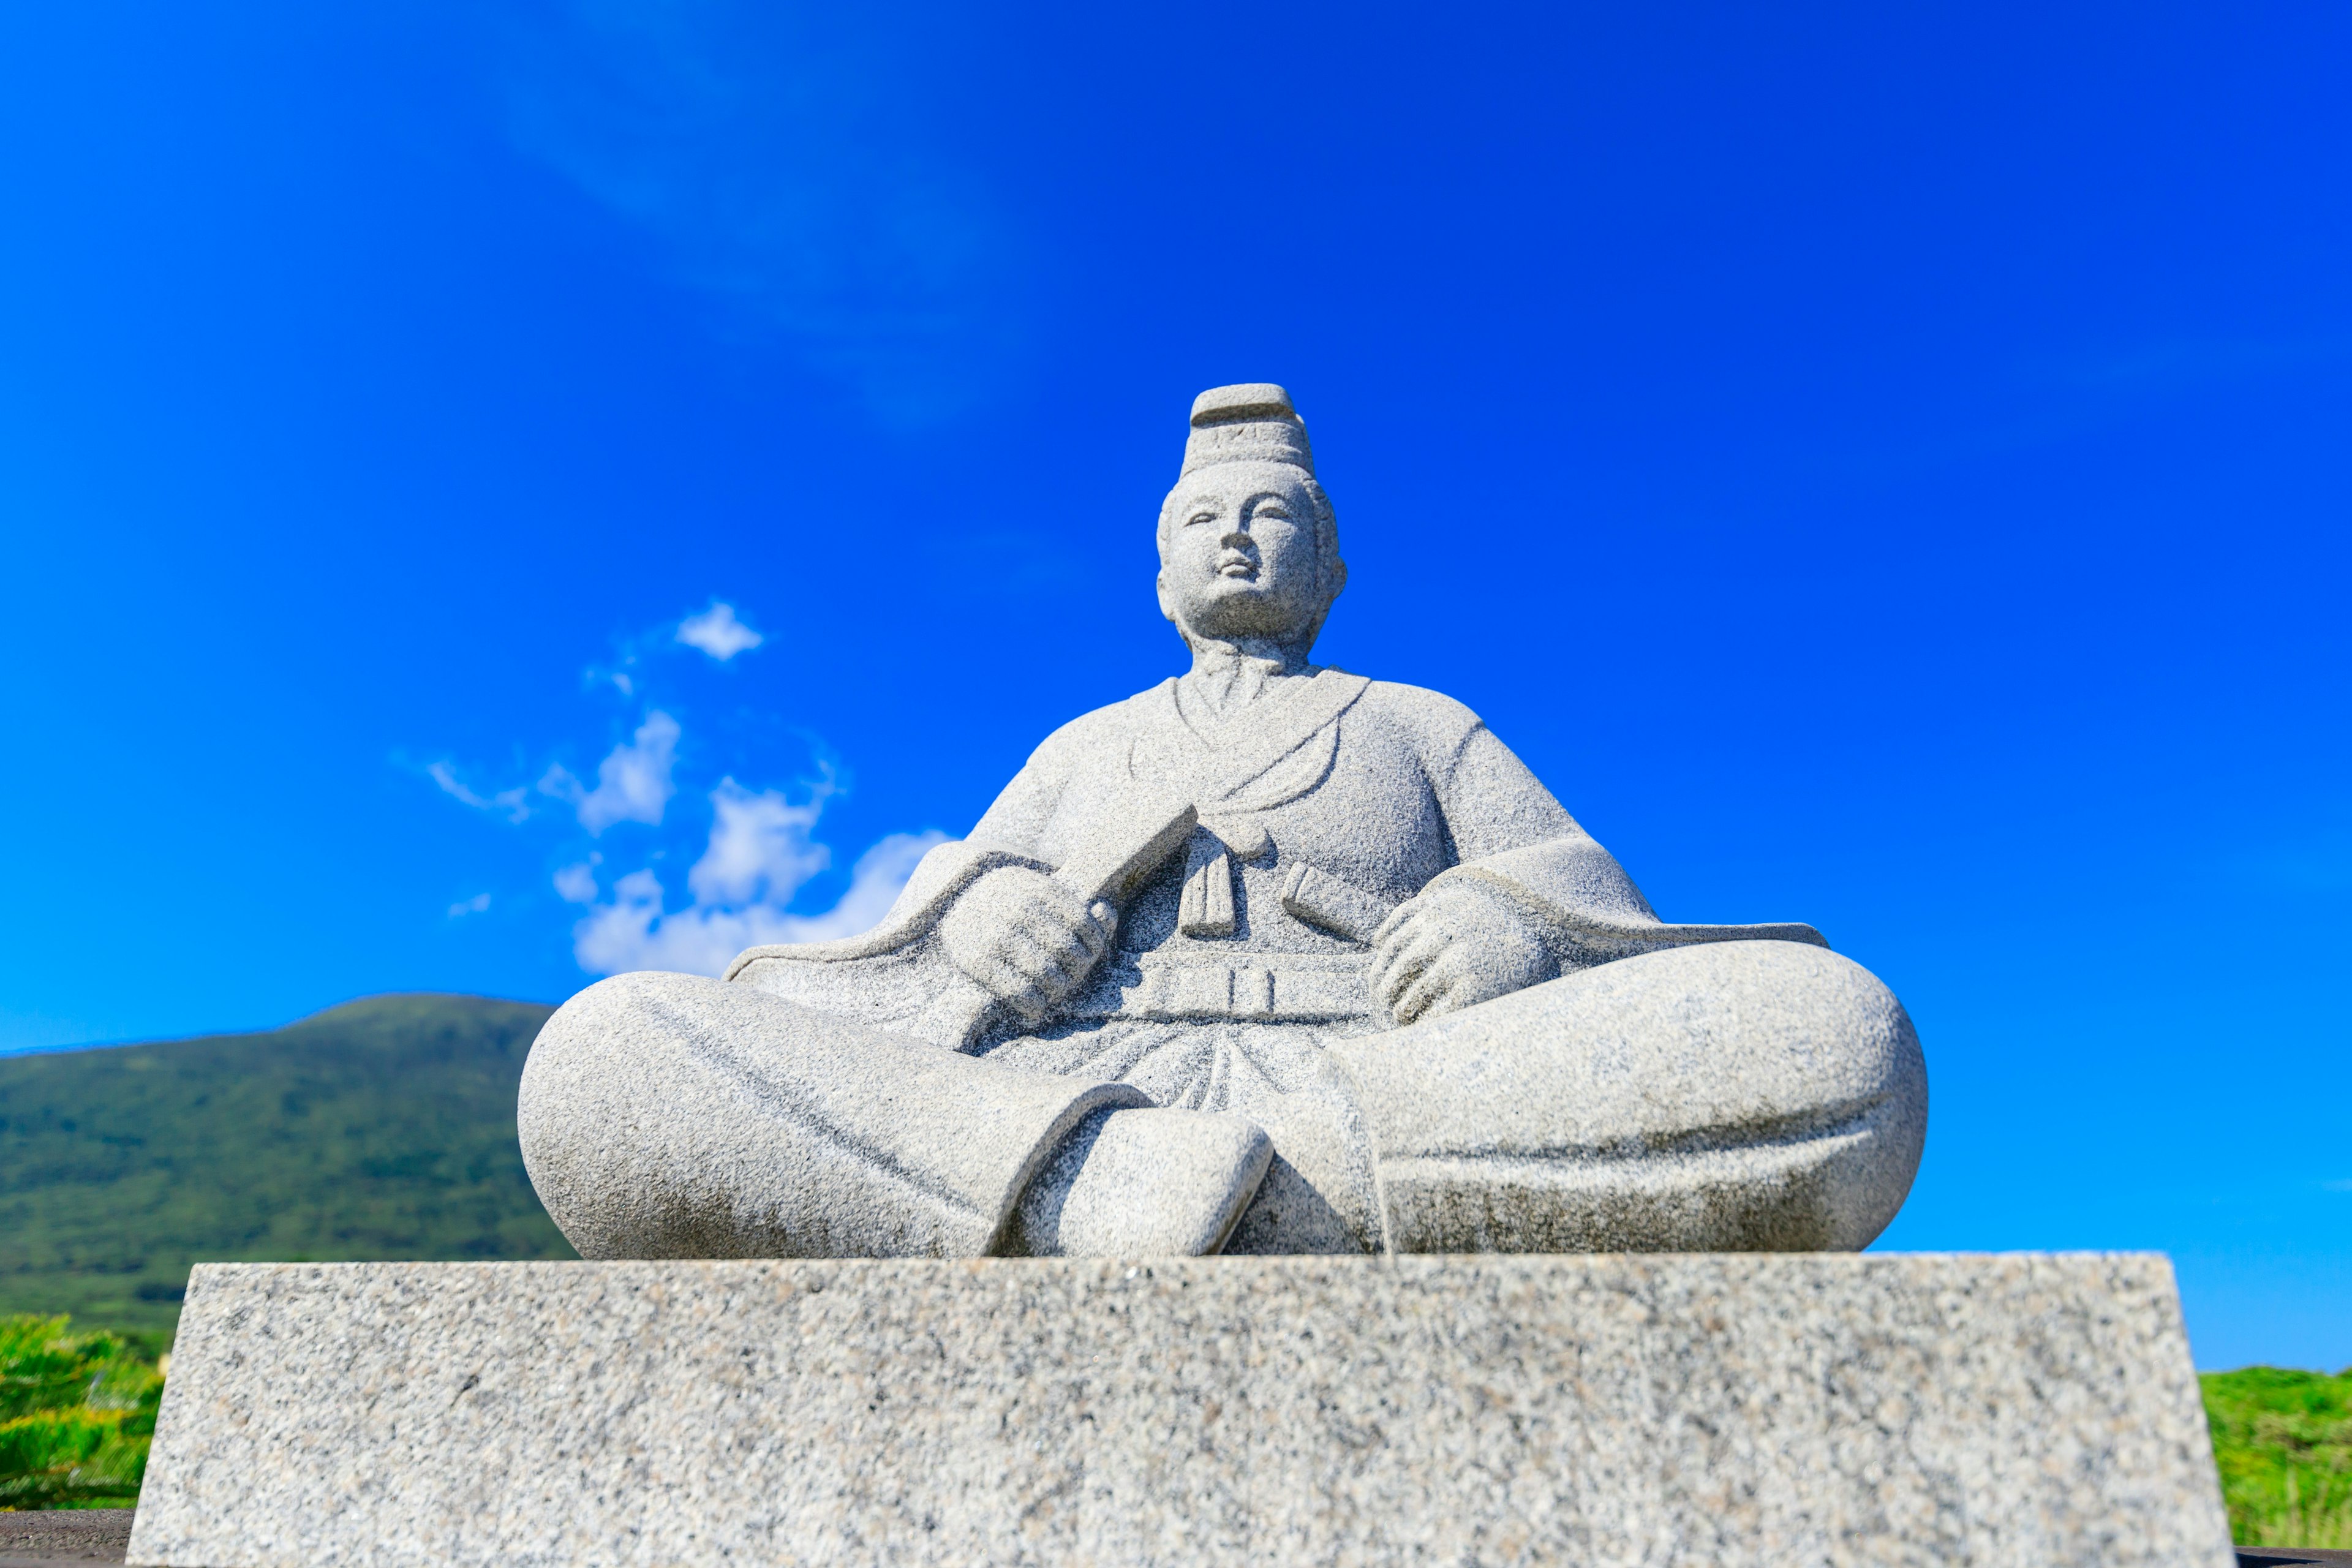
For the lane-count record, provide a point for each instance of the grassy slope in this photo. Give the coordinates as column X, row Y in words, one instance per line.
column 383, row 1127
column 2283, row 1442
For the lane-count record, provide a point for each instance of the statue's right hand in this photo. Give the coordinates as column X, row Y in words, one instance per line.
column 1025, row 938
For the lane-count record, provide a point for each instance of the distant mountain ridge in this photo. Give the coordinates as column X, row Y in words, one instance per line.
column 380, row 1129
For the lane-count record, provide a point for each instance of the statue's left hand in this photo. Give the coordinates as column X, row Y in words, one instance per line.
column 1457, row 945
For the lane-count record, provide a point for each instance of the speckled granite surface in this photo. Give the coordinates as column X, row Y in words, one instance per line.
column 1706, row 1410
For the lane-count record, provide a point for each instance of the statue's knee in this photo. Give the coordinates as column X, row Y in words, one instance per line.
column 627, row 1002
column 1801, row 1069
column 1726, row 1035
column 1787, row 1026
column 1730, row 1094
column 601, row 1055
column 614, row 1114
column 601, row 1030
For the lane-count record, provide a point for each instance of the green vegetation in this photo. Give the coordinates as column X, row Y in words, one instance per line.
column 2283, row 1442
column 383, row 1128
column 77, row 1413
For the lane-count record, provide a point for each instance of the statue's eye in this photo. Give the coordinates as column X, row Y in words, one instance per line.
column 1200, row 517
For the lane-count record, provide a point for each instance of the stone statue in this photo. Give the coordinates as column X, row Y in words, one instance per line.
column 1269, row 958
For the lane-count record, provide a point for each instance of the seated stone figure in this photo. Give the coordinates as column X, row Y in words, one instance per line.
column 1269, row 958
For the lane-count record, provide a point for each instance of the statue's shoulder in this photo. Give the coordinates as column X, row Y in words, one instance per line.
column 1106, row 732
column 1433, row 722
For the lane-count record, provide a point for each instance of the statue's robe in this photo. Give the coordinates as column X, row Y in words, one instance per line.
column 1567, row 1115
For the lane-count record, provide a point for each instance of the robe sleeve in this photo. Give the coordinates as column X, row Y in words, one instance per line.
column 1507, row 825
column 1511, row 834
column 1008, row 833
column 1016, row 819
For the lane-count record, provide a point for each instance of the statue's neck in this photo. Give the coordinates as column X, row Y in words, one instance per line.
column 1227, row 676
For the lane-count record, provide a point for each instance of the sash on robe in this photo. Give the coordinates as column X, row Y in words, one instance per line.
column 1269, row 754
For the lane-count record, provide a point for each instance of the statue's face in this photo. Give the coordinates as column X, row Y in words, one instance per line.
column 1241, row 559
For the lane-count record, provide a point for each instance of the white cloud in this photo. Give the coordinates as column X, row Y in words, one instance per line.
column 633, row 783
column 718, row 633
column 761, row 852
column 759, row 856
column 874, row 884
column 759, row 849
column 577, row 884
column 514, row 802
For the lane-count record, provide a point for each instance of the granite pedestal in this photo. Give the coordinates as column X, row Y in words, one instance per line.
column 1664, row 1409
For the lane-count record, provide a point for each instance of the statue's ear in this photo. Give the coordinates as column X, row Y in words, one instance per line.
column 1160, row 586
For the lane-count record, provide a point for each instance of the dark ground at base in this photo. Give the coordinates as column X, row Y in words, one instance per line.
column 65, row 1535
column 100, row 1535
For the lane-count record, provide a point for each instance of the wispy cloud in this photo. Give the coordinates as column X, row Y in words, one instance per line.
column 514, row 804
column 759, row 847
column 759, row 856
column 632, row 782
column 576, row 883
column 781, row 156
column 716, row 632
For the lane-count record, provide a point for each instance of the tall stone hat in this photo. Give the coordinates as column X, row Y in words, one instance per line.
column 1252, row 421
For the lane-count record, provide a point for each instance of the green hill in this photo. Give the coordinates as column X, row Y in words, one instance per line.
column 382, row 1129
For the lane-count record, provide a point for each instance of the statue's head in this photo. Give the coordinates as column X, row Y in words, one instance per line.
column 1249, row 546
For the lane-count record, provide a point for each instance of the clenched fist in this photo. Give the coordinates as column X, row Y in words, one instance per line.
column 1025, row 938
column 1457, row 945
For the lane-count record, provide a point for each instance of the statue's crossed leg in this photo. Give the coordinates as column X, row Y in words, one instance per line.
column 1736, row 1096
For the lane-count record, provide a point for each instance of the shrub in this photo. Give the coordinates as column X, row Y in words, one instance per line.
column 77, row 1413
column 2283, row 1442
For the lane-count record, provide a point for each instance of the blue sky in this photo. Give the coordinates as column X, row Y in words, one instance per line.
column 1884, row 467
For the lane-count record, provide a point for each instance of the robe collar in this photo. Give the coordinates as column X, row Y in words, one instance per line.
column 1217, row 765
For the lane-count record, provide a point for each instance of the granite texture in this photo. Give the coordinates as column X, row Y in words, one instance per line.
column 676, row 1116
column 1200, row 1170
column 1708, row 1411
column 1265, row 890
column 1738, row 1096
